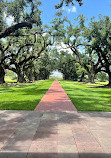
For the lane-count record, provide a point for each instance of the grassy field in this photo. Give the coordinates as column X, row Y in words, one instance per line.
column 9, row 80
column 23, row 96
column 87, row 97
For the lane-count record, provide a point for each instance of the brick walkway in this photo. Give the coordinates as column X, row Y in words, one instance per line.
column 36, row 134
column 55, row 100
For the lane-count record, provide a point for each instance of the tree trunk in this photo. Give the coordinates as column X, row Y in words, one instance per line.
column 30, row 75
column 20, row 74
column 36, row 77
column 48, row 77
column 2, row 74
column 2, row 79
column 91, row 77
column 82, row 77
column 109, row 84
column 21, row 78
column 65, row 77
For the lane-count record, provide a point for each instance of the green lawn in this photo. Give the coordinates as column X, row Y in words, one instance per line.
column 86, row 97
column 9, row 80
column 24, row 96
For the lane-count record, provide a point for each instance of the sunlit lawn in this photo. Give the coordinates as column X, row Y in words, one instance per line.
column 9, row 80
column 23, row 96
column 86, row 97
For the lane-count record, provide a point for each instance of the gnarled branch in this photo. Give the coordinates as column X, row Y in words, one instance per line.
column 11, row 29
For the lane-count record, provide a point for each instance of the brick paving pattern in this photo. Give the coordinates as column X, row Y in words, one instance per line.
column 55, row 100
column 35, row 134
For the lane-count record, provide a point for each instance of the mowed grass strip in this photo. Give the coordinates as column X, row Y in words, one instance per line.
column 24, row 96
column 87, row 97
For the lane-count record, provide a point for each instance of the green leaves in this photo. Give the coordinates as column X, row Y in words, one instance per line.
column 23, row 10
column 15, row 9
column 2, row 9
column 67, row 2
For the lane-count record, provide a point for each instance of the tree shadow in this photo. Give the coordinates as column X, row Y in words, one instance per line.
column 95, row 114
column 53, row 155
column 19, row 129
column 24, row 103
column 19, row 105
column 91, row 100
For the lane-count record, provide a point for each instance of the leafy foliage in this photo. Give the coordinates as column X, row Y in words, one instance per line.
column 67, row 2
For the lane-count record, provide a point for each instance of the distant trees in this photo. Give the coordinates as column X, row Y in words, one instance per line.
column 91, row 45
column 66, row 64
column 102, row 76
column 39, row 69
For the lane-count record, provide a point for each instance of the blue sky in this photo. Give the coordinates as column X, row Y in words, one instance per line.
column 90, row 8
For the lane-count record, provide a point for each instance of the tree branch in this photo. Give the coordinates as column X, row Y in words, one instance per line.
column 7, row 56
column 33, row 56
column 9, row 44
column 26, row 45
column 7, row 66
column 15, row 27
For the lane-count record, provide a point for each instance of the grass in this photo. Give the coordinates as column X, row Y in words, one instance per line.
column 23, row 96
column 9, row 80
column 87, row 97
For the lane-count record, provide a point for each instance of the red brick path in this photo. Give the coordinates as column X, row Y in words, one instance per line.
column 55, row 100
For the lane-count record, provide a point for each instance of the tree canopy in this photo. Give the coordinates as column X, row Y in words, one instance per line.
column 27, row 46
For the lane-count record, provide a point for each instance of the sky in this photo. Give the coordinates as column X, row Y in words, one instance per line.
column 89, row 9
column 56, row 73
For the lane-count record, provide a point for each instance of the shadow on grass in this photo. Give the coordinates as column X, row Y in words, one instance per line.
column 19, row 105
column 28, row 103
column 24, row 97
column 6, row 89
column 34, row 91
column 91, row 103
column 89, row 99
column 12, row 89
column 88, row 89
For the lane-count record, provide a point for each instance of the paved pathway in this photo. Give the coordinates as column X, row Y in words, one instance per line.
column 55, row 100
column 59, row 133
column 33, row 134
